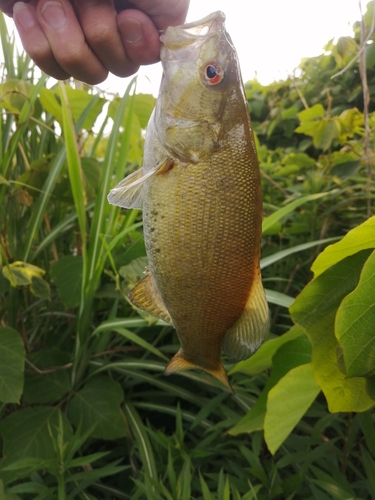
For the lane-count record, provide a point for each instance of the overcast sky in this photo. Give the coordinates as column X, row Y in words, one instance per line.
column 271, row 36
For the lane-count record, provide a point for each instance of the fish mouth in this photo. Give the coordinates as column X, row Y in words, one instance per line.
column 205, row 22
column 178, row 37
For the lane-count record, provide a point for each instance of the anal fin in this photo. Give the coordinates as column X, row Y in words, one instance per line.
column 179, row 363
column 248, row 332
column 146, row 296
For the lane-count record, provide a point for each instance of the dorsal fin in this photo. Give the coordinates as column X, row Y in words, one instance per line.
column 146, row 296
column 248, row 332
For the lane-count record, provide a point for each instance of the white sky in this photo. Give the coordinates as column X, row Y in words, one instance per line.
column 271, row 36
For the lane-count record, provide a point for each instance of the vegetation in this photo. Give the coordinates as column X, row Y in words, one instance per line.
column 85, row 410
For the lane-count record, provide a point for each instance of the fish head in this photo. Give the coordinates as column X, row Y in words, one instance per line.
column 200, row 76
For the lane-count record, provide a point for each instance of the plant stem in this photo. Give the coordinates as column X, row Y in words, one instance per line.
column 366, row 102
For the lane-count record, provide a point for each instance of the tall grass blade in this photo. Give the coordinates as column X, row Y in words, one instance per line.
column 74, row 167
column 271, row 259
column 7, row 46
column 102, row 206
column 143, row 442
column 42, row 202
column 269, row 221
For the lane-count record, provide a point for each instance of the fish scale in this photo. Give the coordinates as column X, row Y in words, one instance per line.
column 199, row 189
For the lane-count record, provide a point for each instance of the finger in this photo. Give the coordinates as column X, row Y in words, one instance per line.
column 98, row 22
column 139, row 36
column 7, row 6
column 67, row 41
column 163, row 14
column 34, row 40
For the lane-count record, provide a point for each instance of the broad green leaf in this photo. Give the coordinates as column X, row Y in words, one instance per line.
column 289, row 355
column 40, row 288
column 67, row 275
column 12, row 359
column 329, row 133
column 354, row 241
column 350, row 122
column 54, row 380
column 282, row 212
column 370, row 386
column 26, row 433
column 323, row 132
column 98, row 404
column 355, row 324
column 302, row 160
column 78, row 101
column 13, row 94
column 287, row 402
column 316, row 111
column 262, row 359
column 21, row 273
column 290, row 112
column 50, row 102
column 133, row 272
column 345, row 169
column 143, row 106
column 315, row 310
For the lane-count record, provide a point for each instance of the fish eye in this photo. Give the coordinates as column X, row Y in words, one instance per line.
column 213, row 73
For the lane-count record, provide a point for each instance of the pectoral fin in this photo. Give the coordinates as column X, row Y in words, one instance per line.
column 179, row 363
column 146, row 296
column 129, row 192
column 248, row 332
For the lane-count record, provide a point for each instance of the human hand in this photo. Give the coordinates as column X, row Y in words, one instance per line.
column 87, row 39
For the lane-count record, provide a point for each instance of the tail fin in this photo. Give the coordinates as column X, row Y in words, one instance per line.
column 179, row 363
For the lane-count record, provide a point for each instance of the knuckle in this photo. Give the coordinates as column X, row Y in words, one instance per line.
column 38, row 52
column 128, row 69
column 99, row 34
column 95, row 79
column 70, row 58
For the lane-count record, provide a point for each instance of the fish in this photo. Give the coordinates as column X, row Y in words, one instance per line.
column 200, row 193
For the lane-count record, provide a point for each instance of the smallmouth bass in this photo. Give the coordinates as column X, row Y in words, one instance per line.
column 200, row 192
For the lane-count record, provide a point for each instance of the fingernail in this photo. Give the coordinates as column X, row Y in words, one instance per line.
column 131, row 30
column 24, row 15
column 54, row 14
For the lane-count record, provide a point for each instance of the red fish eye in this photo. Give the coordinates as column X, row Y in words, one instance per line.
column 213, row 73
